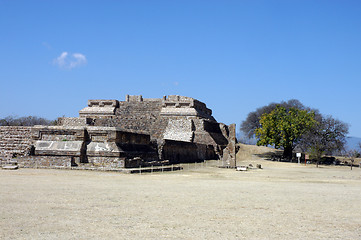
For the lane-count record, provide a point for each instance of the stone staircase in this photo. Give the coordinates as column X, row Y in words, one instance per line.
column 14, row 141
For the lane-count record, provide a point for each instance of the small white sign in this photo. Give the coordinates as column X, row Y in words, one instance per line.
column 298, row 154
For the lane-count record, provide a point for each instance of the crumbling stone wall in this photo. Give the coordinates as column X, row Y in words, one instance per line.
column 180, row 130
column 210, row 132
column 133, row 115
column 14, row 141
column 91, row 144
column 230, row 152
column 68, row 162
column 44, row 161
column 134, row 132
column 73, row 121
column 167, row 120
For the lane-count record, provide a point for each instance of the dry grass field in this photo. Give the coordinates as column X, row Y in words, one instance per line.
column 280, row 201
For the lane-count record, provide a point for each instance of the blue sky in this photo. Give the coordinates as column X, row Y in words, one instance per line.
column 235, row 56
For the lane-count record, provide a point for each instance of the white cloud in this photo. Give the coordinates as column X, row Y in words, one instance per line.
column 60, row 61
column 66, row 61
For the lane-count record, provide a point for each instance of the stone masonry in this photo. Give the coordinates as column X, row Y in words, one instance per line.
column 119, row 134
column 14, row 141
column 168, row 120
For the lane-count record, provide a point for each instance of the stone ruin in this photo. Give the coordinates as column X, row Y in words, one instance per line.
column 137, row 132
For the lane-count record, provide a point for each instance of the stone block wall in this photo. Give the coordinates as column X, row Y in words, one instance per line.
column 180, row 130
column 136, row 115
column 185, row 152
column 154, row 116
column 44, row 161
column 175, row 105
column 126, row 133
column 73, row 121
column 68, row 162
column 14, row 141
column 178, row 152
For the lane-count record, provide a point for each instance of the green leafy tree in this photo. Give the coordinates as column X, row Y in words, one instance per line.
column 249, row 126
column 283, row 128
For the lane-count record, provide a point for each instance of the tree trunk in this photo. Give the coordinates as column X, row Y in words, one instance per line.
column 287, row 153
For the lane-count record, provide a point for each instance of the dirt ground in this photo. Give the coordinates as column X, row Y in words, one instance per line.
column 280, row 201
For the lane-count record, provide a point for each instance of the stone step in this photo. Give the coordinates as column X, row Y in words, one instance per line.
column 10, row 167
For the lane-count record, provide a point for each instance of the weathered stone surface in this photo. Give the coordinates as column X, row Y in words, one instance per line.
column 99, row 108
column 14, row 141
column 72, row 121
column 179, row 130
column 176, row 105
column 116, row 134
column 229, row 153
column 61, row 148
column 175, row 118
column 94, row 145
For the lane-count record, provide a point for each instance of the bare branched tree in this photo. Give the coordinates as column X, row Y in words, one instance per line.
column 25, row 121
column 352, row 154
column 326, row 137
